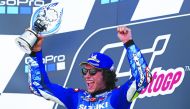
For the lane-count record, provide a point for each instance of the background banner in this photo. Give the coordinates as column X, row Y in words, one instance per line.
column 160, row 28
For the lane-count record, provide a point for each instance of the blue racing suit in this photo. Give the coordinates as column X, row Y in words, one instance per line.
column 118, row 98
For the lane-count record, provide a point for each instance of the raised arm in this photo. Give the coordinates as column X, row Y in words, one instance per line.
column 39, row 82
column 141, row 76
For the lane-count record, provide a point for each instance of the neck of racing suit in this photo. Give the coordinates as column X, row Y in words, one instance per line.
column 99, row 92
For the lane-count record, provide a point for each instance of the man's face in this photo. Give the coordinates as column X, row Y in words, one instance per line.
column 94, row 82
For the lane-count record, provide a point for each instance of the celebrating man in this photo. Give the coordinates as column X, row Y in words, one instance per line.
column 100, row 78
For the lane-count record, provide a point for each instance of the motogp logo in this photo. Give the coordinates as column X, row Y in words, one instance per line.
column 164, row 82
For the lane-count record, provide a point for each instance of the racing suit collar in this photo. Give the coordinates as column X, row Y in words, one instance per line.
column 99, row 92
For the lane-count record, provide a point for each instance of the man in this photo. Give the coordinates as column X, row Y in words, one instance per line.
column 99, row 75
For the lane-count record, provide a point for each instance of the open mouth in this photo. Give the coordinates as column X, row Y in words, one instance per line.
column 90, row 84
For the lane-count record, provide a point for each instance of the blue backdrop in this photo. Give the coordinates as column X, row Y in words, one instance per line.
column 160, row 29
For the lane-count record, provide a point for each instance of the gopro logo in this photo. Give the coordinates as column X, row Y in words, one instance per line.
column 52, row 63
column 19, row 6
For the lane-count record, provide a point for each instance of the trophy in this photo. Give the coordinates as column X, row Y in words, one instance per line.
column 45, row 21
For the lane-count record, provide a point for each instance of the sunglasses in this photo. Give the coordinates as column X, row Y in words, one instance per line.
column 91, row 71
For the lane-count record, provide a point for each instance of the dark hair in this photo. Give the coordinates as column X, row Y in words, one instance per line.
column 110, row 79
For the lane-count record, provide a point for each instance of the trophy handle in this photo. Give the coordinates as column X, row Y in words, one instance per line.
column 27, row 40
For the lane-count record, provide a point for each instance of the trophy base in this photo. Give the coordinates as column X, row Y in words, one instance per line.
column 23, row 45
